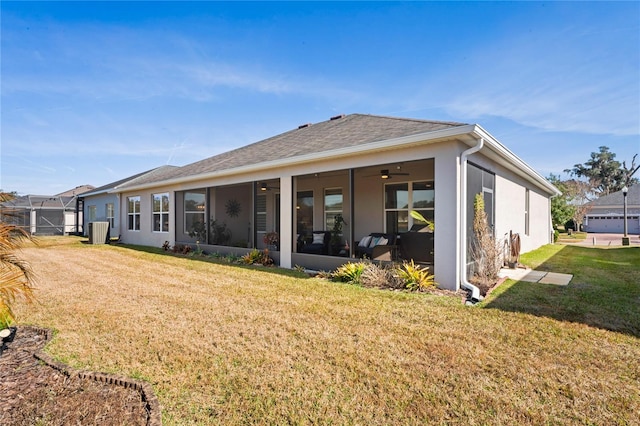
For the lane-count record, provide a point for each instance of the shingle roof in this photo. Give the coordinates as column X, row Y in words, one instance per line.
column 75, row 191
column 158, row 173
column 338, row 132
column 617, row 198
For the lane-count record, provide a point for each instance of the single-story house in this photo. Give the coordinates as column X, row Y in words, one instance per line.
column 365, row 172
column 606, row 214
column 46, row 214
column 102, row 204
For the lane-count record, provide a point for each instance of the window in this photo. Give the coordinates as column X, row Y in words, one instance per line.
column 92, row 213
column 110, row 214
column 160, row 212
column 133, row 213
column 332, row 207
column 401, row 198
column 193, row 209
column 526, row 211
column 261, row 213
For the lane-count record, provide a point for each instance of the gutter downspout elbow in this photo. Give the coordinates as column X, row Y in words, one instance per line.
column 464, row 283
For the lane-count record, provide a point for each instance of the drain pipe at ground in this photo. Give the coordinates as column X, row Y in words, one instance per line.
column 475, row 291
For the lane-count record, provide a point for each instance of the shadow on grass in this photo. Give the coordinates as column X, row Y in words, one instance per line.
column 217, row 261
column 604, row 291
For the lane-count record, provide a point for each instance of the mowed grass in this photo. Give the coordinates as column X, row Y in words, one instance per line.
column 223, row 344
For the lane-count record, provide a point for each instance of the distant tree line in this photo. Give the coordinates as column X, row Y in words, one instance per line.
column 601, row 175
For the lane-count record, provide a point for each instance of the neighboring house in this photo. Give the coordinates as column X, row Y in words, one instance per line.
column 103, row 205
column 606, row 214
column 46, row 214
column 370, row 170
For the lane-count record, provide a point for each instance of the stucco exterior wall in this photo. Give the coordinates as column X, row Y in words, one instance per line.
column 146, row 236
column 101, row 201
column 509, row 195
column 438, row 161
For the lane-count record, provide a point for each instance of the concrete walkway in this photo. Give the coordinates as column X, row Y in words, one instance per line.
column 533, row 276
column 599, row 240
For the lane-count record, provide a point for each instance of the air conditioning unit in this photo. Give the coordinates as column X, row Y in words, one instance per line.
column 98, row 232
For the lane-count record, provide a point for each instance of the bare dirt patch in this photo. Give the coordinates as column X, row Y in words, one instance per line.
column 34, row 392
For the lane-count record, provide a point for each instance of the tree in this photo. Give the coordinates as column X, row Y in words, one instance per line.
column 16, row 276
column 561, row 208
column 604, row 174
column 578, row 193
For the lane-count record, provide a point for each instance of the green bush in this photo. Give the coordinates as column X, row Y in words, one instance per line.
column 570, row 224
column 556, row 235
column 415, row 277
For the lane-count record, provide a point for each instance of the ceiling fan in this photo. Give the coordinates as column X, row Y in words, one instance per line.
column 387, row 174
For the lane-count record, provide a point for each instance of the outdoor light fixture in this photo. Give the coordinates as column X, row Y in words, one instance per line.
column 263, row 186
column 384, row 174
column 625, row 238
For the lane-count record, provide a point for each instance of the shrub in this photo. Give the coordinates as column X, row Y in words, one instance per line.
column 181, row 249
column 415, row 277
column 485, row 250
column 380, row 276
column 556, row 235
column 350, row 273
column 256, row 256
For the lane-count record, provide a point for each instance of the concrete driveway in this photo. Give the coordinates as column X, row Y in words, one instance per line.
column 608, row 240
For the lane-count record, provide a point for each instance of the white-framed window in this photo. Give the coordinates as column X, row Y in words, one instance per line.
column 401, row 198
column 160, row 212
column 92, row 213
column 194, row 206
column 110, row 214
column 133, row 213
column 332, row 206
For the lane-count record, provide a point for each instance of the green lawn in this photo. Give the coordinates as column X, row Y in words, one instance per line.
column 223, row 344
column 604, row 292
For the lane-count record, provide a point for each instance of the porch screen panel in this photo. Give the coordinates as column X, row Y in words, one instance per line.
column 396, row 205
column 332, row 207
column 423, row 200
column 304, row 214
column 261, row 213
column 194, row 209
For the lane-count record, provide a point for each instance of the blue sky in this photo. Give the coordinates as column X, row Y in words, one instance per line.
column 94, row 92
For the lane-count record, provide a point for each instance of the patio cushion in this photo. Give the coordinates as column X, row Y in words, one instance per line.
column 318, row 238
column 365, row 241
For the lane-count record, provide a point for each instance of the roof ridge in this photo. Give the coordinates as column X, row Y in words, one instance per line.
column 417, row 120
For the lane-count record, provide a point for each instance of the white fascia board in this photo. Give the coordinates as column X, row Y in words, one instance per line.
column 92, row 193
column 385, row 145
column 516, row 163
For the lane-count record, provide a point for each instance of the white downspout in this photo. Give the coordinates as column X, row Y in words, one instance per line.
column 475, row 291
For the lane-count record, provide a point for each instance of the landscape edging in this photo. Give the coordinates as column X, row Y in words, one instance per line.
column 154, row 414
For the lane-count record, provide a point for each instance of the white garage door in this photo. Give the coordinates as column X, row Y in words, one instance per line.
column 613, row 224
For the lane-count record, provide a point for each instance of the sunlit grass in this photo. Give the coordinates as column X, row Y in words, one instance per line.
column 228, row 344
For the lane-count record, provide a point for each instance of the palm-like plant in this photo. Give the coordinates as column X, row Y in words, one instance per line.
column 16, row 276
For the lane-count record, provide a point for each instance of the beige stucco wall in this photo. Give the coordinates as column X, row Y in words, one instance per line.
column 444, row 169
column 509, row 196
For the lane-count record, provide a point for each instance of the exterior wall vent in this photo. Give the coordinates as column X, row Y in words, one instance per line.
column 336, row 117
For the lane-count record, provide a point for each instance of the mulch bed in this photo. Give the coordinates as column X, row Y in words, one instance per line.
column 35, row 389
